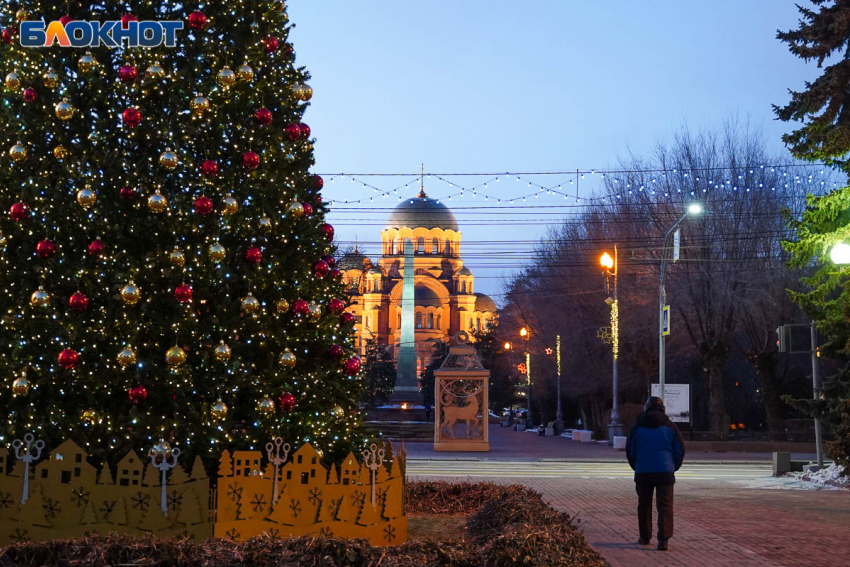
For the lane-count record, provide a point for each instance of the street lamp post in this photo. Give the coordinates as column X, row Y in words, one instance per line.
column 615, row 428
column 693, row 209
column 559, row 414
column 523, row 333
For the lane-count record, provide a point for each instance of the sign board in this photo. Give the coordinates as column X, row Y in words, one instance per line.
column 677, row 401
column 677, row 236
column 665, row 320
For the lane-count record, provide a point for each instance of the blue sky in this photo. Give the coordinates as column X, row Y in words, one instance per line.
column 537, row 85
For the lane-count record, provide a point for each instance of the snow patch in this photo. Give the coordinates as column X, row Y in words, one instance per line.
column 832, row 476
column 782, row 483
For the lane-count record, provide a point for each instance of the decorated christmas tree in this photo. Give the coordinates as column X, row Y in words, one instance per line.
column 167, row 271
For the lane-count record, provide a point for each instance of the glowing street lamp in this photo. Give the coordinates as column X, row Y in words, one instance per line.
column 840, row 254
column 523, row 333
column 615, row 428
column 508, row 346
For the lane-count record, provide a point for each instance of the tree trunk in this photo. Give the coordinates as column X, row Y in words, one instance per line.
column 716, row 404
column 766, row 365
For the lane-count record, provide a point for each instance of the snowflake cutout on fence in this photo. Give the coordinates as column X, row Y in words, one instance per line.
column 274, row 533
column 80, row 496
column 326, row 532
column 106, row 509
column 235, row 492
column 233, row 534
column 358, row 498
column 335, row 506
column 6, row 500
column 381, row 497
column 314, row 495
column 389, row 533
column 175, row 500
column 295, row 507
column 20, row 536
column 52, row 508
column 141, row 501
column 259, row 502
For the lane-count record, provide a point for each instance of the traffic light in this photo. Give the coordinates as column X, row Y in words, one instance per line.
column 782, row 337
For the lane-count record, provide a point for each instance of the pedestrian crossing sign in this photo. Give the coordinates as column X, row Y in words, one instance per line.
column 665, row 320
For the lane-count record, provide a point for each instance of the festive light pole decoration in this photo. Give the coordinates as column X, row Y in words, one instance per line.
column 372, row 460
column 164, row 458
column 276, row 445
column 28, row 450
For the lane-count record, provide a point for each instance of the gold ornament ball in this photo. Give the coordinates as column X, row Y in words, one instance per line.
column 131, row 294
column 245, row 73
column 51, row 79
column 40, row 298
column 266, row 224
column 60, row 152
column 303, row 92
column 86, row 197
column 219, row 410
column 250, row 303
column 13, row 81
column 296, row 209
column 64, row 110
column 176, row 257
column 127, row 357
column 315, row 311
column 199, row 105
column 90, row 417
column 175, row 356
column 287, row 359
column 87, row 63
column 18, row 152
column 155, row 71
column 217, row 252
column 222, row 352
column 21, row 386
column 157, row 203
column 279, row 5
column 266, row 407
column 231, row 205
column 337, row 412
column 226, row 77
column 282, row 306
column 21, row 15
column 169, row 160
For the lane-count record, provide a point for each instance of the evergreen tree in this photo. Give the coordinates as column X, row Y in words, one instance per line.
column 825, row 135
column 379, row 374
column 166, row 246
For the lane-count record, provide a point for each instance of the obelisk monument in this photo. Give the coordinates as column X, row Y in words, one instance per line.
column 406, row 387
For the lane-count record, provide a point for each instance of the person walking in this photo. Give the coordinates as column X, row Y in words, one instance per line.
column 655, row 450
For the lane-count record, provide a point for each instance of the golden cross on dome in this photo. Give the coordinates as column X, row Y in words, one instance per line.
column 422, row 194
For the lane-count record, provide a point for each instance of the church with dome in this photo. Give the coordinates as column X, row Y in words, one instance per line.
column 445, row 298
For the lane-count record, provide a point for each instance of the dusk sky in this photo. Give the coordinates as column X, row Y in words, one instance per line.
column 496, row 86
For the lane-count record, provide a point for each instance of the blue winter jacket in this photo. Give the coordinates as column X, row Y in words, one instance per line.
column 655, row 449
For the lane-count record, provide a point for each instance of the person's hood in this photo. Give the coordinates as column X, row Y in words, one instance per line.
column 652, row 419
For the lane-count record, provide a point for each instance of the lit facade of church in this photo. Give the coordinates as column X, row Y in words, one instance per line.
column 445, row 297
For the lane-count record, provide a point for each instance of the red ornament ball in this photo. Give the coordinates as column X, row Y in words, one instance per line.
column 263, row 117
column 9, row 35
column 272, row 44
column 330, row 260
column 305, row 130
column 68, row 358
column 253, row 255
column 346, row 318
column 250, row 160
column 336, row 274
column 352, row 365
column 138, row 394
column 127, row 74
column 95, row 248
column 292, row 132
column 209, row 168
column 30, row 95
column 197, row 20
column 318, row 182
column 183, row 293
column 132, row 117
column 66, row 19
column 285, row 402
column 78, row 302
column 321, row 269
column 203, row 205
column 336, row 306
column 300, row 307
column 329, row 232
column 308, row 208
column 46, row 249
column 336, row 353
column 18, row 212
column 128, row 193
column 126, row 19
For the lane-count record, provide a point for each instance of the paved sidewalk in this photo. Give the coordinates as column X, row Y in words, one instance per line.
column 522, row 446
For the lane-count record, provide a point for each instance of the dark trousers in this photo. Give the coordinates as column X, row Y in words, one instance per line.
column 664, row 503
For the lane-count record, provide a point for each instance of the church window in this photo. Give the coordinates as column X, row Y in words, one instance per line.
column 368, row 321
column 478, row 324
column 435, row 246
column 420, row 245
column 376, row 285
column 399, row 321
column 463, row 286
column 448, row 248
column 419, row 320
column 430, row 320
column 439, row 321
